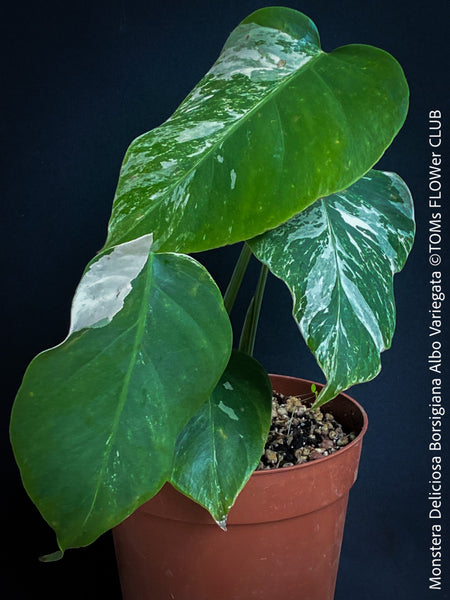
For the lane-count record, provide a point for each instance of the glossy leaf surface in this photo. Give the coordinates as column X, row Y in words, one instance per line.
column 275, row 124
column 96, row 419
column 221, row 445
column 338, row 259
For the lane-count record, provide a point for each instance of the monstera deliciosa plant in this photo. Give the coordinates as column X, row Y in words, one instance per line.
column 274, row 148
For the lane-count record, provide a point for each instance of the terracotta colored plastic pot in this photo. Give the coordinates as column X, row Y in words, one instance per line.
column 284, row 531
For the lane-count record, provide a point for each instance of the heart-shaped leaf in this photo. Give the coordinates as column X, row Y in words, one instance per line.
column 275, row 124
column 221, row 445
column 96, row 419
column 338, row 259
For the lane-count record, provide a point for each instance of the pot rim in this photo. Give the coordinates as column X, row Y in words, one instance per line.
column 310, row 464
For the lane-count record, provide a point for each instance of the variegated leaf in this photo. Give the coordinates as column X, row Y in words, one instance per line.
column 275, row 124
column 338, row 259
column 221, row 446
column 95, row 422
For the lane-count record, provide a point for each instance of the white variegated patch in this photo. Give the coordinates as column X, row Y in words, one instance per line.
column 261, row 54
column 320, row 283
column 233, row 177
column 203, row 129
column 362, row 309
column 228, row 411
column 102, row 291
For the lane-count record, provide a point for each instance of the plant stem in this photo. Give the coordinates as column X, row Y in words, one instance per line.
column 236, row 278
column 248, row 335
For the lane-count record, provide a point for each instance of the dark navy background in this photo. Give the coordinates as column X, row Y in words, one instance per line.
column 81, row 80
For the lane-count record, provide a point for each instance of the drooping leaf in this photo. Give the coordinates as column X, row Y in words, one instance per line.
column 96, row 419
column 338, row 259
column 275, row 124
column 221, row 445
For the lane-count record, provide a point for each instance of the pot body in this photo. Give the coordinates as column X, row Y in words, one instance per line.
column 283, row 537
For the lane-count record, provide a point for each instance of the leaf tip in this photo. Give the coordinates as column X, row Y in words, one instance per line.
column 222, row 523
column 52, row 557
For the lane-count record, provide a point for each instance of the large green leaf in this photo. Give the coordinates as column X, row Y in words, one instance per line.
column 221, row 445
column 96, row 419
column 275, row 124
column 338, row 259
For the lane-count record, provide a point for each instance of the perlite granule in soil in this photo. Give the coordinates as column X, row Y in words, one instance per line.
column 299, row 434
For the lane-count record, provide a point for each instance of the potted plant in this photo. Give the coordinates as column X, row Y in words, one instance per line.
column 273, row 148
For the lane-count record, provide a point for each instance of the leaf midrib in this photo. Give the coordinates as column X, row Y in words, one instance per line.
column 338, row 281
